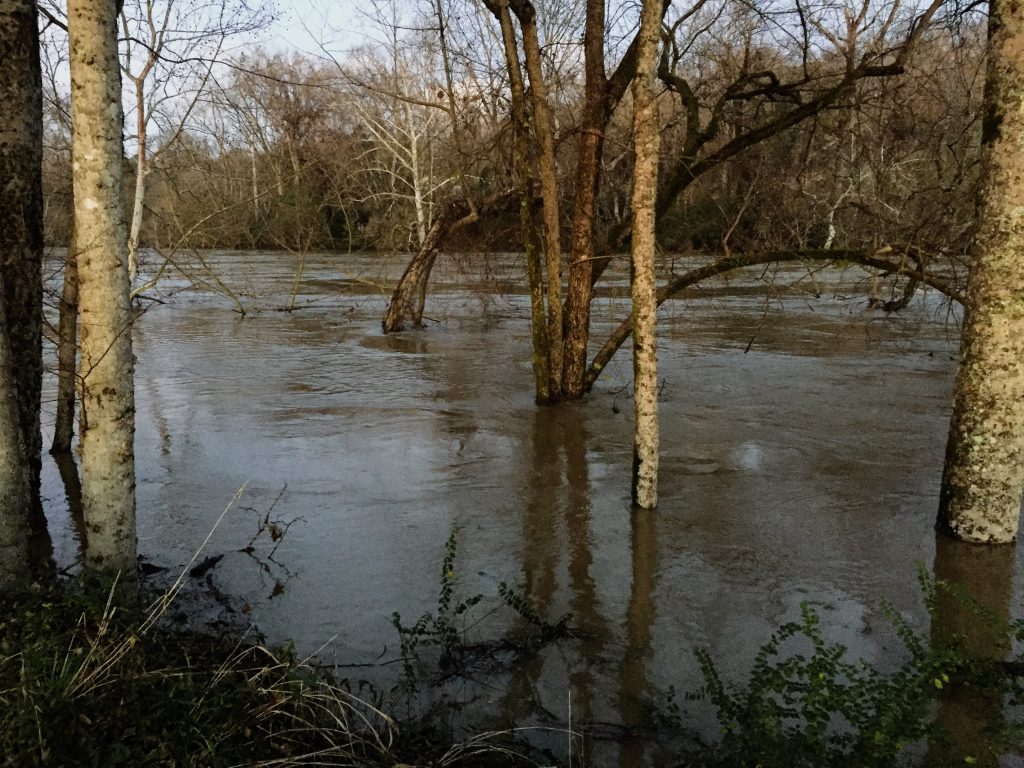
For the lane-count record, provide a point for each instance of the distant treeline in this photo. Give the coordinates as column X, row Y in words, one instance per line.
column 291, row 152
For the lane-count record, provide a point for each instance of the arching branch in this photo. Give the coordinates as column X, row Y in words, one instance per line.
column 900, row 261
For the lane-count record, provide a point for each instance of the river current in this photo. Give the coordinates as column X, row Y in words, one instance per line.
column 802, row 445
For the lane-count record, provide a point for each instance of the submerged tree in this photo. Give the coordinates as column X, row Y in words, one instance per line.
column 740, row 79
column 101, row 239
column 21, row 246
column 984, row 470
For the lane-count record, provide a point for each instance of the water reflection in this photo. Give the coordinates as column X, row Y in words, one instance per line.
column 72, row 495
column 981, row 578
column 559, row 539
column 803, row 469
column 633, row 683
column 40, row 546
column 557, row 520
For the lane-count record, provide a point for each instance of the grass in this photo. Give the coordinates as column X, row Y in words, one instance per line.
column 84, row 682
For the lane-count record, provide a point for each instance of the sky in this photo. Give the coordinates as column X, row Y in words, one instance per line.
column 306, row 25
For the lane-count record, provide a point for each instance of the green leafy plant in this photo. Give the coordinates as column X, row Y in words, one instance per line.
column 806, row 703
column 446, row 630
column 441, row 629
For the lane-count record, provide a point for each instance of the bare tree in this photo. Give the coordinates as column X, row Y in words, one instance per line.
column 169, row 49
column 523, row 175
column 405, row 122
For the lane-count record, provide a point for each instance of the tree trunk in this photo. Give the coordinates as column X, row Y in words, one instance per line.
column 141, row 169
column 971, row 580
column 543, row 125
column 67, row 354
column 524, row 182
column 15, row 490
column 21, row 216
column 406, row 307
column 21, row 241
column 647, row 140
column 419, row 203
column 255, row 184
column 108, row 401
column 588, row 167
column 984, row 470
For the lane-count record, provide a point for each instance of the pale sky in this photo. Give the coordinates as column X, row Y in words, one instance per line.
column 306, row 24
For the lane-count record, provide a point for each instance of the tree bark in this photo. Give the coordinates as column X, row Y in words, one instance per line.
column 21, row 216
column 984, row 470
column 973, row 581
column 407, row 302
column 21, row 242
column 15, row 490
column 524, row 182
column 67, row 354
column 588, row 167
column 647, row 141
column 107, row 363
column 543, row 125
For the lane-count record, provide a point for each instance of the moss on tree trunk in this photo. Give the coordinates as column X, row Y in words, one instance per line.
column 984, row 470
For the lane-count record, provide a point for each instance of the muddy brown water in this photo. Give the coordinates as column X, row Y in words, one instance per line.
column 802, row 441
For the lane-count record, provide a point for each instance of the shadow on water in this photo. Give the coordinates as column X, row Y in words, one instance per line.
column 981, row 578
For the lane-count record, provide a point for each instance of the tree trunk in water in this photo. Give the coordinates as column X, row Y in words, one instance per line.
column 67, row 354
column 21, row 229
column 984, row 470
column 647, row 138
column 108, row 401
column 543, row 124
column 971, row 580
column 524, row 181
column 588, row 167
column 407, row 302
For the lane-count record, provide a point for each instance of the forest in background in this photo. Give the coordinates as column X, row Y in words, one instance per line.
column 362, row 149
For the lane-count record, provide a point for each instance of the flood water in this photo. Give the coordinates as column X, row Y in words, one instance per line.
column 802, row 443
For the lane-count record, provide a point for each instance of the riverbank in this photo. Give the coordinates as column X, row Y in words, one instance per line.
column 87, row 682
